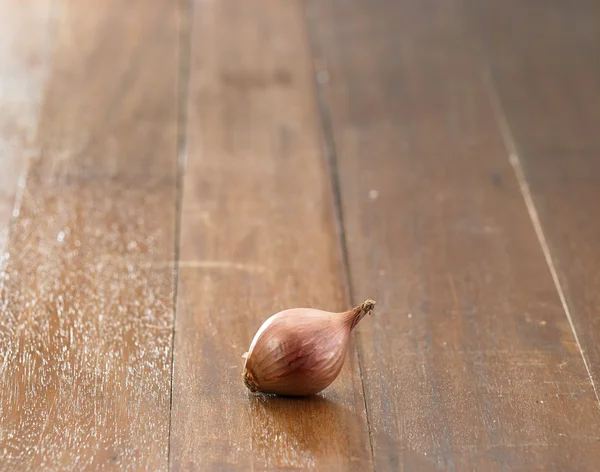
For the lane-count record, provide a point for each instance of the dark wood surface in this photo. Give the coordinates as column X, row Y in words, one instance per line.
column 549, row 96
column 173, row 173
column 87, row 292
column 472, row 364
column 257, row 236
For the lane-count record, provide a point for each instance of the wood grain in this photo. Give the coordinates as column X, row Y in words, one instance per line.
column 26, row 37
column 550, row 97
column 86, row 299
column 258, row 236
column 471, row 363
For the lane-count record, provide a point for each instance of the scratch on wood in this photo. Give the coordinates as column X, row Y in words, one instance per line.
column 515, row 162
column 48, row 416
column 453, row 288
column 221, row 265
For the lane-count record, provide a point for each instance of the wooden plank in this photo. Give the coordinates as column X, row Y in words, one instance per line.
column 87, row 296
column 550, row 97
column 25, row 40
column 471, row 364
column 258, row 236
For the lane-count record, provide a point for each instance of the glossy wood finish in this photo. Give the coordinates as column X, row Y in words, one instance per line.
column 550, row 99
column 87, row 296
column 257, row 236
column 26, row 37
column 472, row 364
column 193, row 167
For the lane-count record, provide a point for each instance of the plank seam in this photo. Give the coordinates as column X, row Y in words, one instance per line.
column 515, row 162
column 331, row 159
column 185, row 45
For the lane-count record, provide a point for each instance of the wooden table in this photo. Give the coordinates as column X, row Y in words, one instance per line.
column 174, row 172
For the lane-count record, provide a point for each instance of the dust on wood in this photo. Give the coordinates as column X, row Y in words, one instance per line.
column 85, row 372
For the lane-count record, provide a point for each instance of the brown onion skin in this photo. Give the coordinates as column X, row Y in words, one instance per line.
column 299, row 352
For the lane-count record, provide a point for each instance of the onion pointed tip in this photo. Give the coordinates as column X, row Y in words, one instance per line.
column 358, row 313
column 368, row 306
